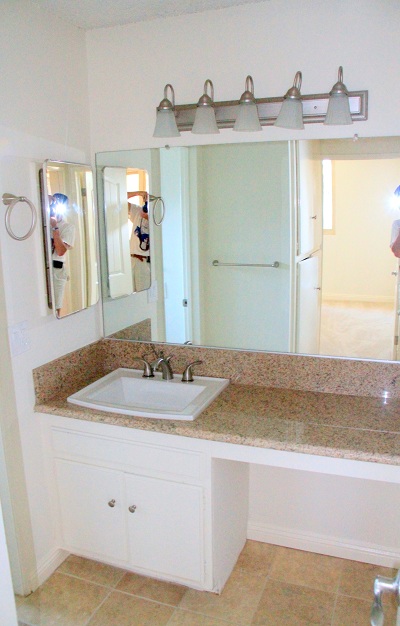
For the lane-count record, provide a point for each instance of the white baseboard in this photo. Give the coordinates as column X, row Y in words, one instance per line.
column 47, row 567
column 331, row 546
column 339, row 297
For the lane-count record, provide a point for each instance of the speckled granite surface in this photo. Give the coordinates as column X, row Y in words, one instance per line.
column 299, row 404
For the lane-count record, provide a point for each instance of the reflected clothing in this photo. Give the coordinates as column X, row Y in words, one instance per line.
column 139, row 242
column 60, row 277
column 141, row 274
column 395, row 239
column 67, row 236
column 139, row 248
column 60, row 274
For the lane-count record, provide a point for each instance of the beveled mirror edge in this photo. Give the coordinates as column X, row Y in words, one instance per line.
column 45, row 212
column 46, row 235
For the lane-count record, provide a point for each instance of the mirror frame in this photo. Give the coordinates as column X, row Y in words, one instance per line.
column 47, row 247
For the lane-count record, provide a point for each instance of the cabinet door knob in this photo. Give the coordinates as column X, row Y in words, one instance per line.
column 132, row 508
column 111, row 503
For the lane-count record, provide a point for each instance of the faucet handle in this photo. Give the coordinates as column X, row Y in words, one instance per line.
column 147, row 368
column 187, row 376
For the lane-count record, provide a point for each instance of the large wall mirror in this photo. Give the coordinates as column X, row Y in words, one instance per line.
column 69, row 224
column 276, row 246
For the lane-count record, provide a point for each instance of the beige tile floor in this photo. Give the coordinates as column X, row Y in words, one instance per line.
column 269, row 586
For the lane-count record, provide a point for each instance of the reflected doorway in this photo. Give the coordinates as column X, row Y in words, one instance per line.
column 360, row 273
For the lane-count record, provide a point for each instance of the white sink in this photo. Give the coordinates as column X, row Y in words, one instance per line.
column 126, row 391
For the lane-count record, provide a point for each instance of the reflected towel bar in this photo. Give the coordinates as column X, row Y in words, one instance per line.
column 218, row 264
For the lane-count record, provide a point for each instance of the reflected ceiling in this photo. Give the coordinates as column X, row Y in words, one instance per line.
column 103, row 13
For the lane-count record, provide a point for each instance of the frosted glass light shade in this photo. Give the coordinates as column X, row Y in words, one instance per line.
column 291, row 114
column 338, row 112
column 204, row 121
column 247, row 119
column 166, row 124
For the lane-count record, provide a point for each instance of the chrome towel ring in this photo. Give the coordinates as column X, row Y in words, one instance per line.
column 156, row 200
column 10, row 201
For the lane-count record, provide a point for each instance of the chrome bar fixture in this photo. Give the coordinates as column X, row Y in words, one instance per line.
column 217, row 263
column 293, row 110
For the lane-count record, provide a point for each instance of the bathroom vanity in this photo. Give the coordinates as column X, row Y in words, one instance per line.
column 156, row 504
column 169, row 499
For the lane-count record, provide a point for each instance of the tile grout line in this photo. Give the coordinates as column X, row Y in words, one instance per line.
column 98, row 608
column 259, row 599
column 177, row 609
column 134, row 595
column 86, row 580
column 337, row 595
column 209, row 617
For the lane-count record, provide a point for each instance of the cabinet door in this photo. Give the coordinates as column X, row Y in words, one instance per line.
column 166, row 528
column 92, row 508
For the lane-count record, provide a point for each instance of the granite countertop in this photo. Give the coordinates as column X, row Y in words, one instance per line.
column 341, row 426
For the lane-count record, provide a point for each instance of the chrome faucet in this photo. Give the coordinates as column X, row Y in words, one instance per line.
column 187, row 376
column 147, row 368
column 164, row 364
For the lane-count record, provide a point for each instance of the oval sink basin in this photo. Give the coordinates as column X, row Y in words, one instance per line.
column 126, row 391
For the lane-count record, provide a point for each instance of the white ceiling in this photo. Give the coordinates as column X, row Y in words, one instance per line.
column 88, row 14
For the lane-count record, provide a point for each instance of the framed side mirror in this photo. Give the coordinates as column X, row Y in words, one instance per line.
column 69, row 235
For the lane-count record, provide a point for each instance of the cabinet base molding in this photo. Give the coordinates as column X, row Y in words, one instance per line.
column 139, row 571
column 320, row 544
column 47, row 567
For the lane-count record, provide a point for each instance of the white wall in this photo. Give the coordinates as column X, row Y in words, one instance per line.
column 357, row 262
column 44, row 113
column 7, row 603
column 244, row 217
column 345, row 517
column 129, row 65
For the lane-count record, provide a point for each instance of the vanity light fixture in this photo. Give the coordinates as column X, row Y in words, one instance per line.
column 291, row 113
column 247, row 117
column 338, row 108
column 165, row 120
column 204, row 121
column 250, row 114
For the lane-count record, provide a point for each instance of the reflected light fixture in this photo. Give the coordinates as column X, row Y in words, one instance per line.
column 165, row 120
column 291, row 113
column 339, row 107
column 247, row 119
column 204, row 121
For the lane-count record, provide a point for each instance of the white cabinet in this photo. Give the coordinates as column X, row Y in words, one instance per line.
column 166, row 528
column 92, row 512
column 154, row 504
column 150, row 524
column 146, row 523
